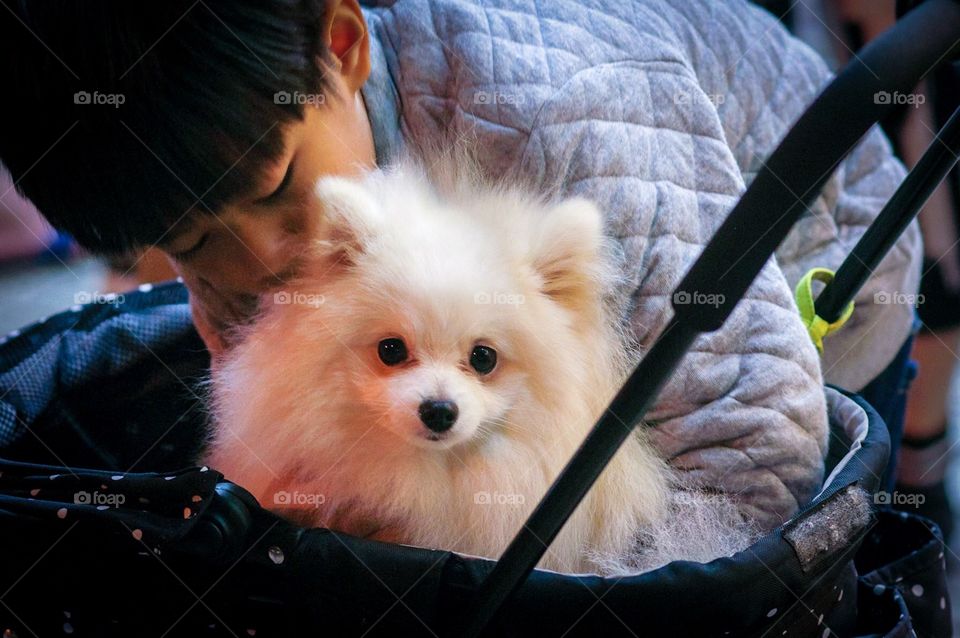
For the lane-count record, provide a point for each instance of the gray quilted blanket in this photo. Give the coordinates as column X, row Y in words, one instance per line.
column 662, row 112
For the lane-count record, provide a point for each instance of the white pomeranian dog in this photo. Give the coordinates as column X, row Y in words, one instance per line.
column 444, row 353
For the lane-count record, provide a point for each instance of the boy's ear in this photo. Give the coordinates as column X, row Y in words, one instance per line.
column 351, row 217
column 567, row 254
column 346, row 36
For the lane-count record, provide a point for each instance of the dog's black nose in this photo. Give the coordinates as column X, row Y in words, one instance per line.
column 439, row 416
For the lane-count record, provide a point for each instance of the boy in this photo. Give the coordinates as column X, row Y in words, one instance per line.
column 201, row 128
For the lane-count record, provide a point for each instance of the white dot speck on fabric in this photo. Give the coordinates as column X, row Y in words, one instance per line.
column 145, row 287
column 840, row 597
column 772, row 613
column 917, row 590
column 826, row 633
column 76, row 308
column 116, row 477
column 943, row 603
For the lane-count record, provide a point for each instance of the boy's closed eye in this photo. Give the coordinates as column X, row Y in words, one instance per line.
column 273, row 197
column 193, row 250
column 281, row 188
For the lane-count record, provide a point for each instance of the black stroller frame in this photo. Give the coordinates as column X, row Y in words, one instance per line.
column 226, row 566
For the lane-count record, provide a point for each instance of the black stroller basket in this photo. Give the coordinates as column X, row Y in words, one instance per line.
column 107, row 552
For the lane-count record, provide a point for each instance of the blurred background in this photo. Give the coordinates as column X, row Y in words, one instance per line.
column 42, row 272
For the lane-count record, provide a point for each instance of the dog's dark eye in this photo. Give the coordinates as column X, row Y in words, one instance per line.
column 483, row 359
column 392, row 351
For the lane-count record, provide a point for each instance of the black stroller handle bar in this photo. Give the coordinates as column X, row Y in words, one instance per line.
column 782, row 191
column 916, row 188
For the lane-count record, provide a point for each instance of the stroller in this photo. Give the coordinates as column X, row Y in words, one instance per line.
column 90, row 549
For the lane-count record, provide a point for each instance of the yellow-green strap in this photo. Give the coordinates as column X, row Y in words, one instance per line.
column 817, row 326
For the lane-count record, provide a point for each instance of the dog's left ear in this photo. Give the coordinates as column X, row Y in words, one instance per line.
column 351, row 217
column 568, row 252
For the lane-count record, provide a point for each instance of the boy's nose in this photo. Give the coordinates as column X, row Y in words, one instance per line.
column 438, row 416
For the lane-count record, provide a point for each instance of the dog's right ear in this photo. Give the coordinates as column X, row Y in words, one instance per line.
column 351, row 217
column 567, row 253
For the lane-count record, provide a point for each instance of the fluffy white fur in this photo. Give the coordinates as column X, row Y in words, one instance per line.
column 305, row 406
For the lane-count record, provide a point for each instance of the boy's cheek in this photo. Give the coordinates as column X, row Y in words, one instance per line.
column 212, row 312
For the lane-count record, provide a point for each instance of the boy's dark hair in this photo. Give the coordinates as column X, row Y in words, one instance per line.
column 121, row 115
